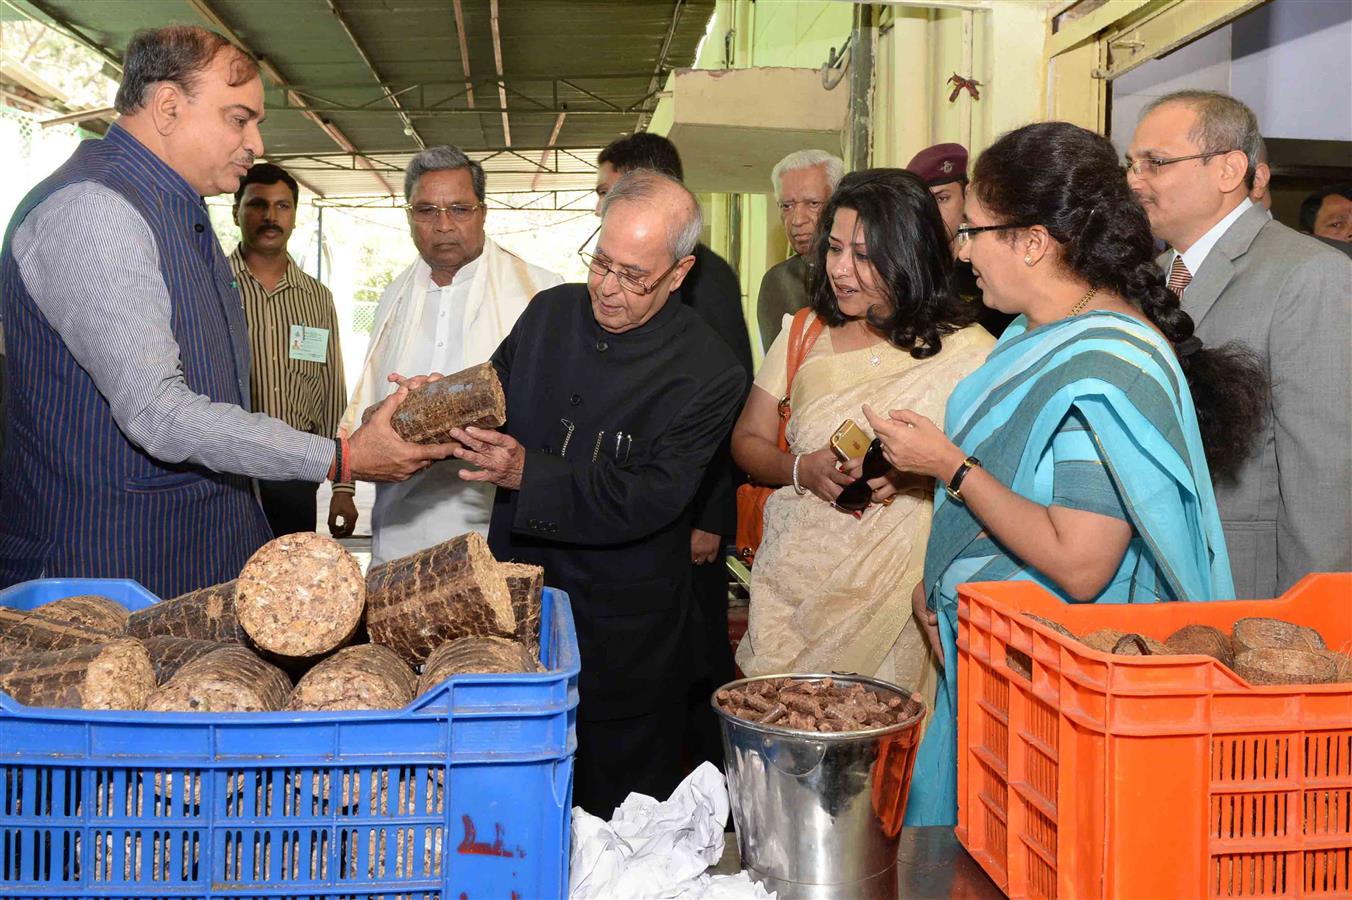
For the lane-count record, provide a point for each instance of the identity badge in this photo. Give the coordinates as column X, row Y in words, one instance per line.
column 310, row 344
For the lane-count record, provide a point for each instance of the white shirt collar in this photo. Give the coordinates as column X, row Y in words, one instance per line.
column 1195, row 255
column 462, row 277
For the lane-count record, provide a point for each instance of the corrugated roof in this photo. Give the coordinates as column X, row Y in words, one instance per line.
column 595, row 62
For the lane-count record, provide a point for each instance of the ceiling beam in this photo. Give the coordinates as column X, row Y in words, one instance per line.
column 84, row 115
column 203, row 9
column 537, row 95
column 497, row 63
column 544, row 154
column 464, row 51
column 583, row 156
column 375, row 73
column 656, row 81
column 464, row 63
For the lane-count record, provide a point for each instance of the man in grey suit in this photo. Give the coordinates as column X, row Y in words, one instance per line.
column 1244, row 276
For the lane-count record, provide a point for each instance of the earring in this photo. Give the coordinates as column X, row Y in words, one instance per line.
column 1028, row 260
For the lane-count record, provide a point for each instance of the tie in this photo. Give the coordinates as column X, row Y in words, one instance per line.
column 1179, row 276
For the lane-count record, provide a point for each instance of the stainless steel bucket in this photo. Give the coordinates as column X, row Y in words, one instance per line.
column 819, row 815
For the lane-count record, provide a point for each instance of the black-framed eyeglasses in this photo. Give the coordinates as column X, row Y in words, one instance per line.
column 430, row 212
column 1151, row 165
column 857, row 494
column 965, row 232
column 633, row 285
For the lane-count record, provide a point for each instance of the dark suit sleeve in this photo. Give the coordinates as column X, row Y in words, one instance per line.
column 582, row 502
column 716, row 295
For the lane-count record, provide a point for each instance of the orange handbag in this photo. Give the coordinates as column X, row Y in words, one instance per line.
column 751, row 497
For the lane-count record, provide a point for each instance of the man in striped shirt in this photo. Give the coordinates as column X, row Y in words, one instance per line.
column 297, row 371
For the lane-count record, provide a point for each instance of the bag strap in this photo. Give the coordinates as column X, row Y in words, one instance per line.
column 802, row 336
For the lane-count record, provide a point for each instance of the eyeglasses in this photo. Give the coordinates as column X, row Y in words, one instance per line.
column 628, row 282
column 633, row 285
column 430, row 212
column 1151, row 165
column 857, row 494
column 965, row 232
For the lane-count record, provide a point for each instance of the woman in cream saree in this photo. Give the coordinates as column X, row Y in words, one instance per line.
column 830, row 590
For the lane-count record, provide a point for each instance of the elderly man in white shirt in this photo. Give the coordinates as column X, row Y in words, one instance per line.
column 448, row 310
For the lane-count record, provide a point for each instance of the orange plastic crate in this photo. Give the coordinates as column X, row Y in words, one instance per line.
column 1152, row 777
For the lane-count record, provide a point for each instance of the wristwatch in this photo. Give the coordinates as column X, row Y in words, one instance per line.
column 954, row 486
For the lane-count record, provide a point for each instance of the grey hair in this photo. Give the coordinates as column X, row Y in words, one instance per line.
column 806, row 159
column 643, row 186
column 441, row 158
column 1223, row 124
column 178, row 55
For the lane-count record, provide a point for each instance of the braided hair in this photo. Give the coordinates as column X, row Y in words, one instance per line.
column 1069, row 180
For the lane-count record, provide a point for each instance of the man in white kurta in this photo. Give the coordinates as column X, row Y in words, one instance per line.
column 448, row 310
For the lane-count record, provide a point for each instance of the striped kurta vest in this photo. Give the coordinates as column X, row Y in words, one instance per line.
column 78, row 498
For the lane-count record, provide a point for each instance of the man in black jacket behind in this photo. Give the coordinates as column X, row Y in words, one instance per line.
column 711, row 289
column 617, row 400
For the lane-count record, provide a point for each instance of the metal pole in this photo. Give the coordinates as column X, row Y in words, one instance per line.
column 861, row 87
column 319, row 260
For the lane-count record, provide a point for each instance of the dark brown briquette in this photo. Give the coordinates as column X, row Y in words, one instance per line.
column 475, row 655
column 367, row 676
column 68, row 622
column 207, row 614
column 455, row 589
column 525, row 584
column 229, row 679
column 168, row 654
column 470, row 397
column 114, row 675
column 300, row 595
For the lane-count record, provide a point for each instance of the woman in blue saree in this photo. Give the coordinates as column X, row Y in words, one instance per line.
column 1073, row 458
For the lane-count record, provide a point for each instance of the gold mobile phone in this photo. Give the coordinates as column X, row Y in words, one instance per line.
column 849, row 442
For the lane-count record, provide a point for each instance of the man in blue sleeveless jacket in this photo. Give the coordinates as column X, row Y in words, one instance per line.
column 129, row 447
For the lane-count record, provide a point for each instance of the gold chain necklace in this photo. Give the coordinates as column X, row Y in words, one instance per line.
column 1084, row 301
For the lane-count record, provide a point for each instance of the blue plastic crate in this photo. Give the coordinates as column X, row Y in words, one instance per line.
column 465, row 793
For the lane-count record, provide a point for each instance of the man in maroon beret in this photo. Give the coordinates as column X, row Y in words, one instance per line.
column 943, row 168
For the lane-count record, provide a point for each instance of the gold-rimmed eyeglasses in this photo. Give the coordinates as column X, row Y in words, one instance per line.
column 634, row 285
column 430, row 212
column 1150, row 166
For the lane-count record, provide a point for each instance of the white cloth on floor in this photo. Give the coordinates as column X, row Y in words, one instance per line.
column 659, row 850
